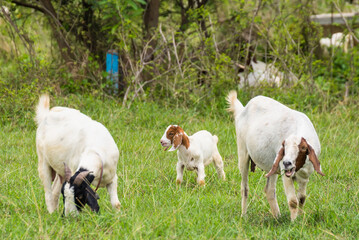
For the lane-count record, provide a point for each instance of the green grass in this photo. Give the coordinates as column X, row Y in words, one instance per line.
column 154, row 207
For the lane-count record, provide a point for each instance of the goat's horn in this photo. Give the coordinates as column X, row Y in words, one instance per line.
column 68, row 173
column 80, row 177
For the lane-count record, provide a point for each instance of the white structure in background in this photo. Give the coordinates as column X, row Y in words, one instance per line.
column 337, row 40
column 263, row 72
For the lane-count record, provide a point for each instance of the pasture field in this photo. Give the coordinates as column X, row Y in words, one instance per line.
column 153, row 207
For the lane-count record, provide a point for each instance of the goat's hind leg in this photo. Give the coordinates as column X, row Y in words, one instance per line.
column 218, row 163
column 201, row 174
column 271, row 195
column 243, row 163
column 45, row 173
column 112, row 191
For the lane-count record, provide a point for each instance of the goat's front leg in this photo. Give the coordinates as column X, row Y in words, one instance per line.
column 45, row 173
column 56, row 189
column 271, row 196
column 243, row 164
column 179, row 168
column 112, row 191
column 291, row 197
column 201, row 174
column 302, row 185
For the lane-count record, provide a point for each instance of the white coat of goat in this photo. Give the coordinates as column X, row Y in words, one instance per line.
column 66, row 137
column 271, row 135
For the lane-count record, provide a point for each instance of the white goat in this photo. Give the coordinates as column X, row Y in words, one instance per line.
column 338, row 40
column 263, row 72
column 69, row 141
column 194, row 152
column 266, row 131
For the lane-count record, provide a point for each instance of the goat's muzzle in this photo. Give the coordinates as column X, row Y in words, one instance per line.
column 289, row 172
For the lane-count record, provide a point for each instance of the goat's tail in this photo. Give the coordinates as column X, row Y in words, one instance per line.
column 215, row 138
column 235, row 105
column 42, row 108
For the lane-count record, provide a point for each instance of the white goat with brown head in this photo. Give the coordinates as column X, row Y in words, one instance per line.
column 194, row 152
column 74, row 151
column 272, row 137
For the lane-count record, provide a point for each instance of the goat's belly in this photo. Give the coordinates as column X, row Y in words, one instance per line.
column 207, row 161
column 191, row 166
column 264, row 167
column 264, row 163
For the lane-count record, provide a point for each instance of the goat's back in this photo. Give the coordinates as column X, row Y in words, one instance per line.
column 204, row 142
column 66, row 134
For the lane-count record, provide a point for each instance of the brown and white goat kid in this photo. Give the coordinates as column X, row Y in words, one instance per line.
column 266, row 131
column 194, row 152
column 67, row 142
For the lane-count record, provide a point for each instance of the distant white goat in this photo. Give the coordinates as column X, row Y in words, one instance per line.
column 337, row 40
column 194, row 152
column 67, row 142
column 263, row 72
column 271, row 135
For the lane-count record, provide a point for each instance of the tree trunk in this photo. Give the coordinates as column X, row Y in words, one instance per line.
column 152, row 13
column 150, row 19
column 64, row 47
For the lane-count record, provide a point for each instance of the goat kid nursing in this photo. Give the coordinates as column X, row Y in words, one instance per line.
column 194, row 152
column 67, row 142
column 272, row 137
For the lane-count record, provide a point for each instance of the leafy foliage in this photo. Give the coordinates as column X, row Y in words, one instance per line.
column 190, row 59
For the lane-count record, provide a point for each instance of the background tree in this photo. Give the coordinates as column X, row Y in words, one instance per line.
column 176, row 50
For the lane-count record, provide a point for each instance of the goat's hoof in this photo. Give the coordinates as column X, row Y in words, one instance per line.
column 51, row 209
column 292, row 218
column 202, row 183
column 276, row 214
column 178, row 182
column 117, row 206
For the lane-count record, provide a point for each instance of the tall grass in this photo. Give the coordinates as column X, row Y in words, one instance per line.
column 154, row 207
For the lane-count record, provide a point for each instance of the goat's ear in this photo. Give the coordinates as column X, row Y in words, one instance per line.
column 303, row 146
column 68, row 173
column 314, row 159
column 177, row 141
column 92, row 197
column 275, row 166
